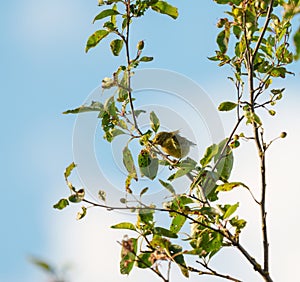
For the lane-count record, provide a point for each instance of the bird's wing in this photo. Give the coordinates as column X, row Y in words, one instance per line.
column 184, row 140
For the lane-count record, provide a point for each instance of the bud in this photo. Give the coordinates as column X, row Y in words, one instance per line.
column 123, row 200
column 140, row 45
column 283, row 134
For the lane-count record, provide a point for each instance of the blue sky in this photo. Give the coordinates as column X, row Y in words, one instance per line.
column 45, row 71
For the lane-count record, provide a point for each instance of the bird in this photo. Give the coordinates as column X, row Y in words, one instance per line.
column 173, row 144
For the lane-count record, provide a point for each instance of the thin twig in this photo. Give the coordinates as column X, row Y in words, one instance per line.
column 261, row 152
column 128, row 68
column 268, row 18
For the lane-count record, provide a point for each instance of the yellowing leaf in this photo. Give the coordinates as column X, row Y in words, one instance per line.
column 95, row 38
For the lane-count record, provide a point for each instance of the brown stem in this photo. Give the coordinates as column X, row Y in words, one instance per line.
column 261, row 150
column 268, row 18
column 214, row 273
column 128, row 68
column 224, row 233
column 211, row 273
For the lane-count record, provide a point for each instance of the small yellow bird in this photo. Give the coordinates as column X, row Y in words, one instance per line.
column 173, row 144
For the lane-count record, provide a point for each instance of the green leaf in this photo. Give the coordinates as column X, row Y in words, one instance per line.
column 109, row 26
column 159, row 241
column 225, row 165
column 124, row 225
column 177, row 223
column 154, row 122
column 62, row 203
column 230, row 210
column 147, row 164
column 69, row 170
column 238, row 223
column 176, row 252
column 81, row 214
column 113, row 18
column 138, row 112
column 168, row 186
column 42, row 265
column 129, row 163
column 146, row 59
column 215, row 243
column 237, row 31
column 143, row 260
column 278, row 72
column 222, row 1
column 227, row 106
column 75, row 199
column 185, row 167
column 106, row 13
column 145, row 216
column 164, row 232
column 94, row 107
column 165, row 8
column 229, row 186
column 222, row 41
column 210, row 152
column 116, row 46
column 272, row 112
column 257, row 119
column 115, row 132
column 144, row 191
column 95, row 38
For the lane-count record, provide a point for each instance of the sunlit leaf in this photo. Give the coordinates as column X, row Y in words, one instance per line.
column 210, row 152
column 177, row 223
column 231, row 209
column 69, row 170
column 81, row 214
column 165, row 8
column 229, row 186
column 95, row 38
column 227, row 106
column 106, row 13
column 124, row 225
